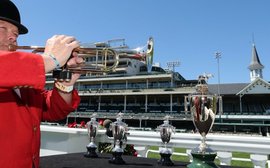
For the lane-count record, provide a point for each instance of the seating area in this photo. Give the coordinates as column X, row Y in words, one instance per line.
column 247, row 109
column 228, row 108
column 130, row 108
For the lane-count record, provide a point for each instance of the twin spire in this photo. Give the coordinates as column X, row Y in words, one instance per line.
column 255, row 66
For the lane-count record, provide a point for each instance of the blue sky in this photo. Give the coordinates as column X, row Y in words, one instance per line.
column 189, row 31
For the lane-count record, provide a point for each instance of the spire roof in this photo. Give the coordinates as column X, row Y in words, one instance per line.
column 255, row 60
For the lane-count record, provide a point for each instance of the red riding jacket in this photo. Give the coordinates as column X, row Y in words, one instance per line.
column 20, row 116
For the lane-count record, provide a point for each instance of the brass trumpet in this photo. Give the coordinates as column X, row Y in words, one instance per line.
column 100, row 59
column 97, row 59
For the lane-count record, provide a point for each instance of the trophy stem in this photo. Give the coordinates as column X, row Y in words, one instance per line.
column 203, row 144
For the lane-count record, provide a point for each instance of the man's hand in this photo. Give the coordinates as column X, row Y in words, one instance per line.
column 58, row 50
column 74, row 61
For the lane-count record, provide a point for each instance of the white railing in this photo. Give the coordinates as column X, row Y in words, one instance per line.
column 59, row 140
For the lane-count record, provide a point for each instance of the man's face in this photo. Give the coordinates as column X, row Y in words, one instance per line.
column 8, row 34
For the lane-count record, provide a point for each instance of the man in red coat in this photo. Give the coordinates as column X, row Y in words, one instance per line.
column 23, row 101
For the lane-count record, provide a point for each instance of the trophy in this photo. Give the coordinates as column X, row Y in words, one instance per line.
column 92, row 128
column 166, row 131
column 203, row 108
column 119, row 130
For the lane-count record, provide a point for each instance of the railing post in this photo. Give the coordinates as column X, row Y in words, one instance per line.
column 141, row 150
column 259, row 161
column 188, row 152
column 225, row 158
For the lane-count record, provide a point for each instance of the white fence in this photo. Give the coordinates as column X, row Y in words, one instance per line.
column 59, row 140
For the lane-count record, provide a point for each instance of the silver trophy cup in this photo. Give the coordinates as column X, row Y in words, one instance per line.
column 92, row 128
column 119, row 130
column 203, row 108
column 166, row 131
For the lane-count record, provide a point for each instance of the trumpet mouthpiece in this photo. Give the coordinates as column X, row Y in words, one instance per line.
column 12, row 47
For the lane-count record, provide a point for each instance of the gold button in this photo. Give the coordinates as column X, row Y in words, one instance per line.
column 35, row 128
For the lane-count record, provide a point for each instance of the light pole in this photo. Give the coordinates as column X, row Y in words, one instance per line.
column 172, row 65
column 218, row 56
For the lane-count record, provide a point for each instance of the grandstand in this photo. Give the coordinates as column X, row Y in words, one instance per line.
column 146, row 97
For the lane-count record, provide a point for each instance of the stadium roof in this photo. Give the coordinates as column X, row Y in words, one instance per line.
column 258, row 86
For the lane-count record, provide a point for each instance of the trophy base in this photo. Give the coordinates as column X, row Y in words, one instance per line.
column 117, row 158
column 165, row 159
column 91, row 152
column 203, row 160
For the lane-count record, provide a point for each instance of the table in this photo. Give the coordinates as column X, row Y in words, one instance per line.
column 77, row 160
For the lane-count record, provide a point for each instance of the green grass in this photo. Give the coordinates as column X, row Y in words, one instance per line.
column 186, row 159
